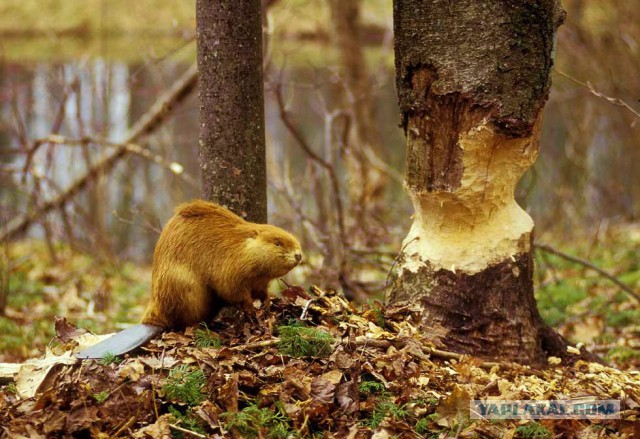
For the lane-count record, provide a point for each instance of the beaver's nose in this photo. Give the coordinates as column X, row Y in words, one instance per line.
column 298, row 257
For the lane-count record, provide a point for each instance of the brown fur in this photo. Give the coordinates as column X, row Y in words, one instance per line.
column 208, row 257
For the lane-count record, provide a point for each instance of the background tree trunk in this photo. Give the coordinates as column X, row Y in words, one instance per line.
column 472, row 79
column 232, row 143
column 367, row 178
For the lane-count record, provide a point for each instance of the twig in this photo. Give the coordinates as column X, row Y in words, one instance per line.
column 614, row 101
column 147, row 226
column 585, row 263
column 281, row 181
column 459, row 427
column 385, row 344
column 305, row 310
column 184, row 430
column 256, row 345
column 133, row 148
column 124, row 426
column 18, row 125
column 395, row 261
column 145, row 125
column 327, row 166
column 366, row 149
column 446, row 355
column 153, row 392
column 55, row 129
column 157, row 60
column 9, row 169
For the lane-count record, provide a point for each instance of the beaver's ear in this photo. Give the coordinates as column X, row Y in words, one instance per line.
column 254, row 233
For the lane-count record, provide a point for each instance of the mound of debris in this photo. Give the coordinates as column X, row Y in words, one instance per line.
column 312, row 366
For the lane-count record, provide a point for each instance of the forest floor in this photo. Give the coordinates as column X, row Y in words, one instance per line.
column 316, row 367
column 337, row 368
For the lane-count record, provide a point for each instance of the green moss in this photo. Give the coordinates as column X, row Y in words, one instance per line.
column 129, row 296
column 371, row 387
column 384, row 409
column 109, row 359
column 11, row 388
column 623, row 318
column 12, row 339
column 18, row 339
column 252, row 421
column 205, row 338
column 622, row 354
column 37, row 290
column 297, row 340
column 185, row 385
column 90, row 324
column 422, row 426
column 101, row 396
column 24, row 292
column 555, row 299
column 631, row 277
column 533, row 430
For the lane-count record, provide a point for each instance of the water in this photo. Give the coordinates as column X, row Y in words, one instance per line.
column 100, row 99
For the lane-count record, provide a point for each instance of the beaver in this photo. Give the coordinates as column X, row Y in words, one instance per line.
column 207, row 257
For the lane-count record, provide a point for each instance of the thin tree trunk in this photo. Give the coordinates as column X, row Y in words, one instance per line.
column 232, row 143
column 472, row 79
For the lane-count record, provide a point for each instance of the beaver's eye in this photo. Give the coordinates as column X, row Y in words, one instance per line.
column 278, row 243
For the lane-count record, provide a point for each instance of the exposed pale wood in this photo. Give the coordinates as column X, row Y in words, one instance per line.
column 7, row 371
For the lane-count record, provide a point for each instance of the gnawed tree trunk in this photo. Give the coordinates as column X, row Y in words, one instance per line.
column 472, row 80
column 232, row 143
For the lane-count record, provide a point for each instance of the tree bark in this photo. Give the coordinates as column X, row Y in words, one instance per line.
column 472, row 79
column 232, row 142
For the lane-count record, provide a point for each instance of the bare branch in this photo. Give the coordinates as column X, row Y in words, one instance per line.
column 328, row 167
column 157, row 114
column 184, row 430
column 614, row 101
column 133, row 148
